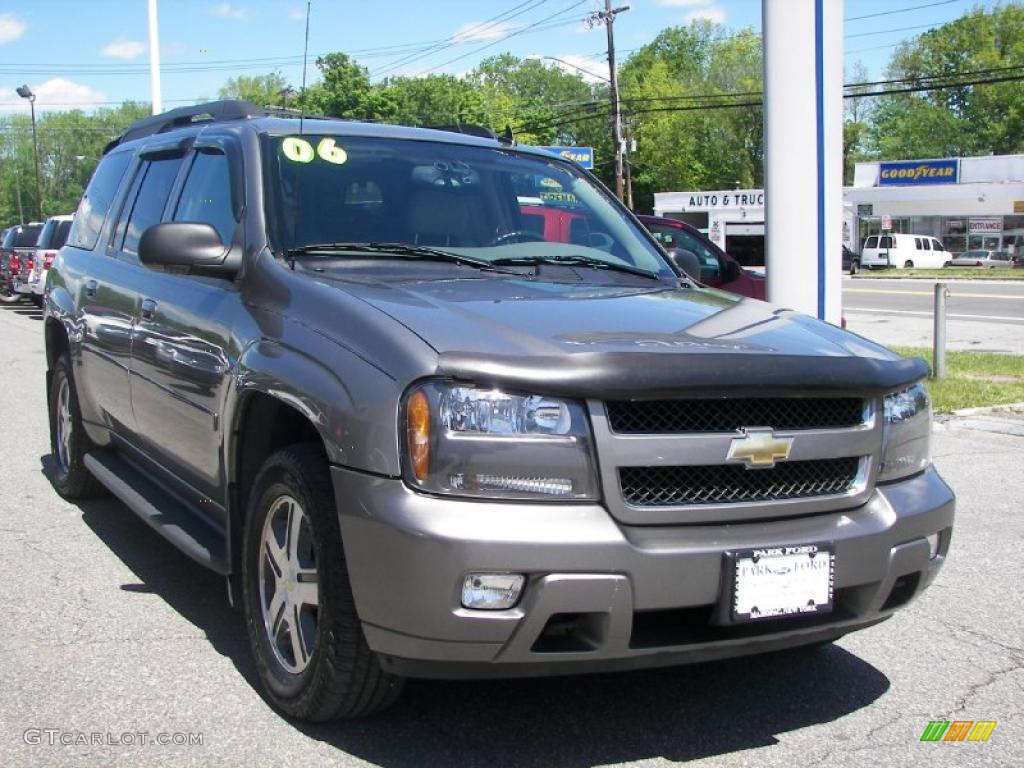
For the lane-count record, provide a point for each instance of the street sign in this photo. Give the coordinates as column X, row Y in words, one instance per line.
column 886, row 221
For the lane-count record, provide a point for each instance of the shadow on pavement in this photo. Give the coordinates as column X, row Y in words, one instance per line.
column 679, row 714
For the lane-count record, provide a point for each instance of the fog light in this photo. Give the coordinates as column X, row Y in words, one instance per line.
column 933, row 545
column 492, row 591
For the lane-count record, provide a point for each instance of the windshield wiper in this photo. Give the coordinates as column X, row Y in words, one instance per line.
column 579, row 261
column 403, row 250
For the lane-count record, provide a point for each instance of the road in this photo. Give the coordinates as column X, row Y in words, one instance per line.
column 108, row 630
column 981, row 315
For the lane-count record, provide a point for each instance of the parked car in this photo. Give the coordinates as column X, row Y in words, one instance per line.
column 34, row 269
column 903, row 251
column 19, row 243
column 338, row 365
column 851, row 261
column 982, row 258
column 717, row 268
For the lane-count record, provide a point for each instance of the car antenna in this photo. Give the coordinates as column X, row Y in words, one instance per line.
column 305, row 64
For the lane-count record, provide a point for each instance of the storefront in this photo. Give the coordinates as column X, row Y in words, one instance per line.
column 733, row 218
column 970, row 202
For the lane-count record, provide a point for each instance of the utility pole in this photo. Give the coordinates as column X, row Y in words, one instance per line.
column 607, row 17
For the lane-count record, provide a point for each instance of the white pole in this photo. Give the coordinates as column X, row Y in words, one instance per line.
column 803, row 135
column 154, row 60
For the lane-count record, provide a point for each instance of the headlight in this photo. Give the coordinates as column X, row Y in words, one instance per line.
column 906, row 445
column 469, row 441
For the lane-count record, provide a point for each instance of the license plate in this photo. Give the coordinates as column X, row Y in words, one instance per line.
column 775, row 582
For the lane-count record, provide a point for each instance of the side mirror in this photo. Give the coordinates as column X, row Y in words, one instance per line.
column 686, row 261
column 731, row 271
column 184, row 244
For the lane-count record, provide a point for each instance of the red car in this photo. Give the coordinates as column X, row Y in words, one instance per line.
column 717, row 268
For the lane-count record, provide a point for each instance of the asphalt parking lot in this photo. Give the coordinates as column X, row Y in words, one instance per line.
column 109, row 631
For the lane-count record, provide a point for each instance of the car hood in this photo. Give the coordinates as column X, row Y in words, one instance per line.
column 629, row 340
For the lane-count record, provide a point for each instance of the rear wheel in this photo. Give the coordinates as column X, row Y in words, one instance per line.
column 908, row 264
column 306, row 638
column 68, row 441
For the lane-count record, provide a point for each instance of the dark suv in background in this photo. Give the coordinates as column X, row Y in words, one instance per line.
column 424, row 432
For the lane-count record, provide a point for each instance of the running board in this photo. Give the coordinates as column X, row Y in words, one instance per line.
column 163, row 512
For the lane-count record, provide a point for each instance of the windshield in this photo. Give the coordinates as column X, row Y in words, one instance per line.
column 484, row 203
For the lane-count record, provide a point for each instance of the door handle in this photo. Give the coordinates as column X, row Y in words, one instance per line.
column 90, row 288
column 148, row 308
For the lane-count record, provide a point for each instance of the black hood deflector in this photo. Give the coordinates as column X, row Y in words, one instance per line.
column 651, row 375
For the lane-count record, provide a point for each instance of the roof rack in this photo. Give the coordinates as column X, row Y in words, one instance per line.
column 213, row 111
column 476, row 130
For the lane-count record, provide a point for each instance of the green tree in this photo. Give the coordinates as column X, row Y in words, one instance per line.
column 345, row 91
column 262, row 90
column 962, row 119
column 674, row 90
column 434, row 100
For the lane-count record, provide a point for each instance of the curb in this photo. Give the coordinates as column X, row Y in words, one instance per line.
column 964, row 278
column 988, row 409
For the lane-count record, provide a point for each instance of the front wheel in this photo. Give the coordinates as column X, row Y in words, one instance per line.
column 908, row 264
column 306, row 638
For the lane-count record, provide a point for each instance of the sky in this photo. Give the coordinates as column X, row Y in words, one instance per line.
column 93, row 53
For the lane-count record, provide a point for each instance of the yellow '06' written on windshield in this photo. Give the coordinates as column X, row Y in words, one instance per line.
column 298, row 150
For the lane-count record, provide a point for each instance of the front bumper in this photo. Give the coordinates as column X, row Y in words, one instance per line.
column 600, row 595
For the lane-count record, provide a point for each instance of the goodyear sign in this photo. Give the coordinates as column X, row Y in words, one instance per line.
column 582, row 155
column 913, row 172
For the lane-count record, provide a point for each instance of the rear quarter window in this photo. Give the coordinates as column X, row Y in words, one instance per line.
column 95, row 204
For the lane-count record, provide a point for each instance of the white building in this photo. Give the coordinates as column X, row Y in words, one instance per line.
column 970, row 202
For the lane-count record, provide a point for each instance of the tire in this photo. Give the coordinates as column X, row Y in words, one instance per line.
column 908, row 264
column 308, row 644
column 948, row 264
column 854, row 267
column 7, row 296
column 68, row 441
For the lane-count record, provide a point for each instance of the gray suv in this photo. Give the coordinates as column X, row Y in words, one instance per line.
column 333, row 362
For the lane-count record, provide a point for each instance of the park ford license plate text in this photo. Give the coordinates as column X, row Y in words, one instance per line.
column 782, row 581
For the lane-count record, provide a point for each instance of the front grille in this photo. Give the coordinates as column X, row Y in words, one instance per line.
column 690, row 416
column 734, row 483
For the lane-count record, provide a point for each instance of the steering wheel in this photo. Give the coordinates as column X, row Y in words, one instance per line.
column 517, row 236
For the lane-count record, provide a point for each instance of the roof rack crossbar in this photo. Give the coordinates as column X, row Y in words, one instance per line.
column 214, row 111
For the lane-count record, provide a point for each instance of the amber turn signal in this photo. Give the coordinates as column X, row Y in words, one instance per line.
column 417, row 422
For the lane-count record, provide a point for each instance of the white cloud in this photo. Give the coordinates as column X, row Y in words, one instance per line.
column 11, row 28
column 123, row 49
column 229, row 11
column 477, row 31
column 297, row 14
column 713, row 13
column 55, row 94
column 686, row 3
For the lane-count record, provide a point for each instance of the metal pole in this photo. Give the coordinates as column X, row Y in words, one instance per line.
column 35, row 148
column 154, row 60
column 939, row 339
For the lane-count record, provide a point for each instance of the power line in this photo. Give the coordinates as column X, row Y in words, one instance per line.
column 901, row 10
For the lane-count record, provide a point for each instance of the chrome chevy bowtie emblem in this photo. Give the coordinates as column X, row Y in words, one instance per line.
column 759, row 448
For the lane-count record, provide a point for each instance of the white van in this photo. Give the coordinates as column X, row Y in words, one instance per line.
column 903, row 252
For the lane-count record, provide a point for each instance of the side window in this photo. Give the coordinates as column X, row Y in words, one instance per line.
column 153, row 182
column 92, row 210
column 206, row 196
column 917, row 243
column 937, row 246
column 871, row 242
column 927, row 244
column 709, row 266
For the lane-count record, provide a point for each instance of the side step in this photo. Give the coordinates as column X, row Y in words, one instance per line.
column 163, row 512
